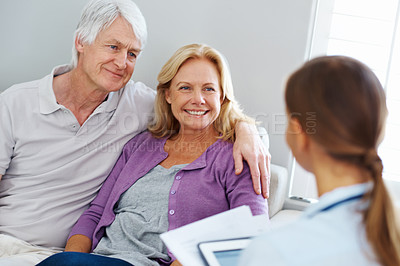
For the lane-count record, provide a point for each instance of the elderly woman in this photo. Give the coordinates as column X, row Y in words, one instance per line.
column 180, row 171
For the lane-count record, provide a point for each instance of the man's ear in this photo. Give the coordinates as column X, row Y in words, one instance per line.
column 78, row 45
column 167, row 96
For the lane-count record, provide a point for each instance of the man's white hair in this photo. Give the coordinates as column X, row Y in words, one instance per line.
column 100, row 14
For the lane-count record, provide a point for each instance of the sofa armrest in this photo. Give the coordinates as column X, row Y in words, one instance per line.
column 278, row 185
column 278, row 181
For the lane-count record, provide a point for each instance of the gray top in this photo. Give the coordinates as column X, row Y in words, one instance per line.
column 141, row 216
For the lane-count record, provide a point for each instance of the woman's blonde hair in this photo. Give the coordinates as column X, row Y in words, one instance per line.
column 165, row 124
column 350, row 106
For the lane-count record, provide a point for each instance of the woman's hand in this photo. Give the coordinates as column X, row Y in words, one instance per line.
column 248, row 146
column 176, row 263
column 79, row 243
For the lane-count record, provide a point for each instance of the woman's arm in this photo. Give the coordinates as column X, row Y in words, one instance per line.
column 249, row 147
column 239, row 191
column 79, row 243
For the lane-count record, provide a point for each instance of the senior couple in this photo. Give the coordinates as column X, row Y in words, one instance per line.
column 60, row 137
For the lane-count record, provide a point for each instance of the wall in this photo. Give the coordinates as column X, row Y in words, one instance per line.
column 264, row 40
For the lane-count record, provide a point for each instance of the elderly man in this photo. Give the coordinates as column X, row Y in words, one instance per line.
column 61, row 135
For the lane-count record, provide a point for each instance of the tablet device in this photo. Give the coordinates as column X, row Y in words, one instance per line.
column 223, row 252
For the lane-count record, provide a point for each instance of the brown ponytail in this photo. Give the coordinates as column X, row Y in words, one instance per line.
column 380, row 218
column 350, row 106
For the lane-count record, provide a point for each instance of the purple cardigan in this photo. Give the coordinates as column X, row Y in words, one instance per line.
column 203, row 188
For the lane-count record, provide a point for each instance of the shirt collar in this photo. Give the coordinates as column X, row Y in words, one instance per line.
column 336, row 196
column 110, row 104
column 47, row 99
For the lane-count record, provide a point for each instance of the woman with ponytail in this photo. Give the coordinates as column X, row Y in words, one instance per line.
column 336, row 111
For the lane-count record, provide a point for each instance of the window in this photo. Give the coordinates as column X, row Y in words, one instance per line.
column 369, row 31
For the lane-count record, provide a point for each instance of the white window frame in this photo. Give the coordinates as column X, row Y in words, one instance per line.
column 318, row 45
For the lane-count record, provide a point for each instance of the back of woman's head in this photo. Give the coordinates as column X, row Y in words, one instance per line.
column 341, row 105
column 346, row 100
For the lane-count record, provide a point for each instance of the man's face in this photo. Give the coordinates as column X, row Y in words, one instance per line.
column 108, row 63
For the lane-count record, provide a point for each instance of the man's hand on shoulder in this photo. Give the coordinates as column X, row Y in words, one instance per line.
column 249, row 147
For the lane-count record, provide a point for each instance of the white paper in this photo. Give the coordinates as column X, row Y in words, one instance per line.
column 235, row 223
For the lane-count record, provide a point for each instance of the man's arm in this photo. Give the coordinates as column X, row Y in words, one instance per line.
column 1, row 176
column 79, row 243
column 248, row 146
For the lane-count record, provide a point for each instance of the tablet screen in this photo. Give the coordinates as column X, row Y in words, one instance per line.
column 224, row 252
column 228, row 258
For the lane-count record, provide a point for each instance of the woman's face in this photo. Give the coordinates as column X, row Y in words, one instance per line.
column 195, row 95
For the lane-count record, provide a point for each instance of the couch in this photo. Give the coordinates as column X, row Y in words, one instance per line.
column 279, row 211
